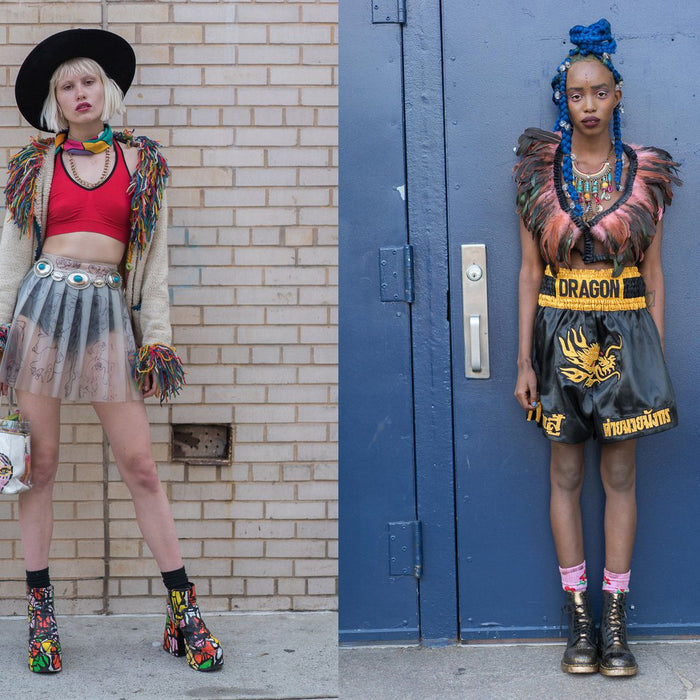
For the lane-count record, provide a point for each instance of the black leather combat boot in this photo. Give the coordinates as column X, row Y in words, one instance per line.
column 581, row 655
column 616, row 659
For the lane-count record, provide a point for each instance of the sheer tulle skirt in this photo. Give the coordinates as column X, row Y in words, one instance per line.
column 69, row 342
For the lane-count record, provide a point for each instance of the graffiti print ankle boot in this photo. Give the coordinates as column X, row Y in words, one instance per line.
column 187, row 635
column 581, row 655
column 616, row 659
column 44, row 644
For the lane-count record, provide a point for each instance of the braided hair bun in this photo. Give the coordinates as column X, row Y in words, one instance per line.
column 595, row 38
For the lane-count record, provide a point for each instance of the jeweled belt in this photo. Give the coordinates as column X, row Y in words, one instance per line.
column 78, row 279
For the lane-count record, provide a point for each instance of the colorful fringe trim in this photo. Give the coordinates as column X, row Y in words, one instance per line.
column 147, row 188
column 20, row 190
column 4, row 330
column 165, row 367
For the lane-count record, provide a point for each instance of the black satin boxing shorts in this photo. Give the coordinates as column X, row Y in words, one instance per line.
column 597, row 356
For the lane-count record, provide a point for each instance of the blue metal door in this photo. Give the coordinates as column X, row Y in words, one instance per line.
column 378, row 588
column 498, row 60
column 444, row 528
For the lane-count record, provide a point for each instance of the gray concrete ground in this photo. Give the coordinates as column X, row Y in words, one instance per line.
column 667, row 670
column 294, row 656
column 275, row 656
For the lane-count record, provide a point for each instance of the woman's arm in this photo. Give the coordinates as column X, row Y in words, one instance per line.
column 653, row 274
column 530, row 280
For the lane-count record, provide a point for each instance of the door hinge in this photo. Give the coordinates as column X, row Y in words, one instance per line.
column 396, row 273
column 388, row 11
column 406, row 549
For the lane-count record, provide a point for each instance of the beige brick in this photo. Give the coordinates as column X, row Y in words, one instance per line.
column 317, row 452
column 315, row 567
column 170, row 75
column 236, row 75
column 264, row 529
column 298, row 157
column 262, row 603
column 318, row 490
column 296, row 548
column 23, row 14
column 177, row 33
column 258, row 96
column 228, row 586
column 325, row 12
column 233, row 510
column 127, row 12
column 243, row 97
column 260, row 586
column 264, row 568
column 264, row 492
column 315, row 602
column 295, row 511
column 268, row 55
column 296, row 355
column 291, row 586
column 205, row 12
column 320, row 96
column 300, row 34
column 262, row 13
column 296, row 433
column 321, row 55
column 322, row 586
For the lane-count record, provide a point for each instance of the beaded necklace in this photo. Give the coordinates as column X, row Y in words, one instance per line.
column 593, row 188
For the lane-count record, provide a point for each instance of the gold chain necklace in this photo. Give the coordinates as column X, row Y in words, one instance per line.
column 85, row 183
column 595, row 188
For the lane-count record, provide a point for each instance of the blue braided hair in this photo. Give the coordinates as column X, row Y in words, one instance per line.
column 595, row 40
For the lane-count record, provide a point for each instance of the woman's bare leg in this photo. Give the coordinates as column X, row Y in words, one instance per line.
column 618, row 473
column 36, row 505
column 566, row 475
column 128, row 431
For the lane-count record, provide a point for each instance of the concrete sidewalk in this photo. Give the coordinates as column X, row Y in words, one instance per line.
column 268, row 656
column 668, row 670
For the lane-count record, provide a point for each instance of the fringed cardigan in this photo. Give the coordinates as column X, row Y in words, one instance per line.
column 145, row 263
column 625, row 229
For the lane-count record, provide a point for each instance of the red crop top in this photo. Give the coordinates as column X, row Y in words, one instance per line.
column 103, row 209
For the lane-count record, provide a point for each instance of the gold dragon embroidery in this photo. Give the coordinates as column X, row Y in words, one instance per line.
column 591, row 366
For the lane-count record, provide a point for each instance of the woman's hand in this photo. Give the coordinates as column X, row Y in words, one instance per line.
column 149, row 386
column 526, row 386
column 4, row 388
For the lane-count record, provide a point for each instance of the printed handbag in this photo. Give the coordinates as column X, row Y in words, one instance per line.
column 15, row 462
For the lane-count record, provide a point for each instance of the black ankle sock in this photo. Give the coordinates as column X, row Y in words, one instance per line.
column 38, row 579
column 175, row 580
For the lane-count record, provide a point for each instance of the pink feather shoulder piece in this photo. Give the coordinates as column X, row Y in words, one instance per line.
column 626, row 229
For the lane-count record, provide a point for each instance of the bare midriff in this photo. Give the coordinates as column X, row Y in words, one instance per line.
column 86, row 246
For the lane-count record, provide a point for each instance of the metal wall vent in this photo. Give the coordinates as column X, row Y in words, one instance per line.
column 202, row 444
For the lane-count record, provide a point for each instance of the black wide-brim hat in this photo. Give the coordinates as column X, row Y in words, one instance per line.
column 111, row 51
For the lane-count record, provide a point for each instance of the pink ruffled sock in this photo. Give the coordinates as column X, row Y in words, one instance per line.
column 616, row 583
column 574, row 579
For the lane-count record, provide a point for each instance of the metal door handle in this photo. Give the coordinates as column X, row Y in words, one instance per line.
column 475, row 337
column 475, row 312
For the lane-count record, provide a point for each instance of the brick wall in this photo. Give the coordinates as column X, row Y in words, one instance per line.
column 243, row 97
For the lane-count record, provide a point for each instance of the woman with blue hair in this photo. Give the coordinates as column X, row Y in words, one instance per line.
column 591, row 324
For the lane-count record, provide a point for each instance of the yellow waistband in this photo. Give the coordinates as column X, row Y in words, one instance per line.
column 593, row 290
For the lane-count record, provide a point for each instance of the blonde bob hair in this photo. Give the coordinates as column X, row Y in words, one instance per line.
column 114, row 97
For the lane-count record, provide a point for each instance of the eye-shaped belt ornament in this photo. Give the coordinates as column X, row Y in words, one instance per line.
column 78, row 279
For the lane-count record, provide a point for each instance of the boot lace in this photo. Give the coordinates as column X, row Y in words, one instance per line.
column 580, row 621
column 616, row 622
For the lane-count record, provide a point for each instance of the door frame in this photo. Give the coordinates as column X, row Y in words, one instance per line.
column 423, row 491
